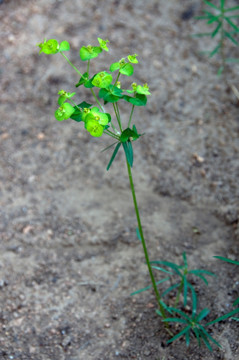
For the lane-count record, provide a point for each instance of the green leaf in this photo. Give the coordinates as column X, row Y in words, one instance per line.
column 210, row 4
column 170, row 289
column 84, row 105
column 113, row 156
column 182, row 321
column 228, row 35
column 103, row 44
column 185, row 316
column 187, row 338
column 214, row 33
column 231, row 24
column 220, row 70
column 161, row 269
column 127, row 69
column 236, row 302
column 186, row 329
column 64, row 46
column 214, row 51
column 185, row 259
column 138, row 100
column 89, row 52
column 232, row 8
column 132, row 59
column 222, row 4
column 138, row 235
column 226, row 316
column 114, row 66
column 202, row 314
column 213, row 19
column 127, row 134
column 208, row 335
column 173, row 266
column 102, row 79
column 227, row 260
column 128, row 149
column 148, row 287
column 112, row 94
column 206, row 341
column 185, row 290
column 194, row 299
column 232, row 60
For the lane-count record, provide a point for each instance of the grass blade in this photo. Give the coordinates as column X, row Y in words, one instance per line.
column 185, row 290
column 173, row 266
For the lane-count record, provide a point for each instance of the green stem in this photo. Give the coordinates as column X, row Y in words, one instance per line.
column 131, row 114
column 116, row 109
column 178, row 294
column 95, row 97
column 144, row 243
column 73, row 66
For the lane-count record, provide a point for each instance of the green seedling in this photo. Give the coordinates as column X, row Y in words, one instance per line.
column 106, row 90
column 194, row 326
column 224, row 28
column 183, row 273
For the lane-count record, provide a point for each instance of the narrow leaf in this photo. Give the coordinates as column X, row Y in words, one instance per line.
column 226, row 316
column 232, row 24
column 113, row 155
column 138, row 235
column 228, row 35
column 185, row 290
column 161, row 269
column 149, row 287
column 232, row 8
column 227, row 260
column 210, row 4
column 194, row 299
column 128, row 152
column 215, row 50
column 214, row 33
column 187, row 328
column 202, row 314
column 170, row 289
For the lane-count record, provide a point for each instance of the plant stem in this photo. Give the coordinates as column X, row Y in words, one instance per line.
column 144, row 243
column 131, row 114
column 70, row 63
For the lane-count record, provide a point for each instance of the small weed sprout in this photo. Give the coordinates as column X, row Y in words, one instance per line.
column 97, row 122
column 222, row 19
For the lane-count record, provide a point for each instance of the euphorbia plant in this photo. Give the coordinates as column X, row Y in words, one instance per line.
column 106, row 89
column 97, row 121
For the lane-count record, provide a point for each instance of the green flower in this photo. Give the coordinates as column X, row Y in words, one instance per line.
column 103, row 44
column 63, row 96
column 95, row 114
column 64, row 112
column 49, row 47
column 94, row 128
column 102, row 79
column 132, row 59
column 89, row 52
column 143, row 90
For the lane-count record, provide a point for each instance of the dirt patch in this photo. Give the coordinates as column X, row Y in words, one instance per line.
column 69, row 254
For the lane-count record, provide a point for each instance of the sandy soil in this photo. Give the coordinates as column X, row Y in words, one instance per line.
column 69, row 255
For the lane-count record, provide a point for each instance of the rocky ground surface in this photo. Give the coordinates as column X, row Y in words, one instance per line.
column 69, row 255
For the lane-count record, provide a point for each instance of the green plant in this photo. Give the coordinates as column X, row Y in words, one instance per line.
column 224, row 28
column 108, row 91
column 97, row 121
